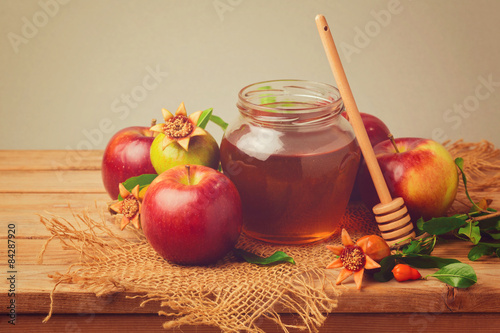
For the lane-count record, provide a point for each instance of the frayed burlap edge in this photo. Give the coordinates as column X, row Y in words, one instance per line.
column 231, row 295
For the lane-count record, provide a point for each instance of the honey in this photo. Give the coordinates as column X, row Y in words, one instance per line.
column 293, row 160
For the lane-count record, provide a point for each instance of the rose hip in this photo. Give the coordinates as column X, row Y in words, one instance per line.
column 404, row 272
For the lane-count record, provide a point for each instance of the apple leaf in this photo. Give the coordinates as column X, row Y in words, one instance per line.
column 460, row 164
column 204, row 118
column 494, row 235
column 458, row 275
column 420, row 224
column 386, row 266
column 277, row 257
column 494, row 245
column 142, row 181
column 480, row 250
column 218, row 121
column 442, row 225
column 207, row 116
column 421, row 246
column 472, row 231
column 490, row 224
column 427, row 261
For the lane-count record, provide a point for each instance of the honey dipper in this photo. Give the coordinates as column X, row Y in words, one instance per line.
column 391, row 214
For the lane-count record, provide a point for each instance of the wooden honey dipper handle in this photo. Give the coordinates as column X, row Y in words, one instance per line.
column 391, row 215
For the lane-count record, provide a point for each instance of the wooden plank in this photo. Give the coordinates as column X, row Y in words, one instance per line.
column 23, row 210
column 74, row 181
column 338, row 323
column 36, row 230
column 50, row 160
column 430, row 295
column 400, row 299
column 32, row 186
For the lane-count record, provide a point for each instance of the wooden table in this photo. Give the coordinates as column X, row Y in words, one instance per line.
column 32, row 182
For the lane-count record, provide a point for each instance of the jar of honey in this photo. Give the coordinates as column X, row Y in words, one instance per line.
column 293, row 159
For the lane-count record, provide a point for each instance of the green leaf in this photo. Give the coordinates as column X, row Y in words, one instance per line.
column 386, row 266
column 413, row 247
column 495, row 245
column 458, row 275
column 498, row 252
column 218, row 121
column 472, row 231
column 427, row 261
column 490, row 224
column 421, row 246
column 442, row 225
column 277, row 257
column 207, row 116
column 204, row 118
column 480, row 250
column 493, row 235
column 420, row 224
column 460, row 164
column 142, row 181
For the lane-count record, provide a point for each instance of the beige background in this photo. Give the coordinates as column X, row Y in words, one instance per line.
column 73, row 72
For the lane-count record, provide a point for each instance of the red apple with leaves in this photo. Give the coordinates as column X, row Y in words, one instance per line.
column 421, row 171
column 126, row 155
column 191, row 215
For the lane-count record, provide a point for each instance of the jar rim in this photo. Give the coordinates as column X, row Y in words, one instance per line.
column 316, row 96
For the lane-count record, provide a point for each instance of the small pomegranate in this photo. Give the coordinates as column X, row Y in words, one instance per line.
column 180, row 142
column 374, row 246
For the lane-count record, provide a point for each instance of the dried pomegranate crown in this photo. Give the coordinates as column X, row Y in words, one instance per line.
column 179, row 127
column 130, row 206
column 352, row 258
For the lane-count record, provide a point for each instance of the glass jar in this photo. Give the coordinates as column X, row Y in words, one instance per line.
column 293, row 158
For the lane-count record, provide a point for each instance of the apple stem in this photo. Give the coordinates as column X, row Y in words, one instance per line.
column 188, row 169
column 391, row 137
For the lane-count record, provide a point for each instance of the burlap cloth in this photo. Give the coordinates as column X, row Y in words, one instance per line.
column 232, row 295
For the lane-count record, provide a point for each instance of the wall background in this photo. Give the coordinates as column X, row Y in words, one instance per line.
column 73, row 72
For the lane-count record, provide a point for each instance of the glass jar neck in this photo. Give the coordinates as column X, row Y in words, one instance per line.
column 290, row 103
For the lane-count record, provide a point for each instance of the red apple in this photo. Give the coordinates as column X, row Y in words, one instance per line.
column 377, row 132
column 126, row 155
column 192, row 215
column 375, row 128
column 423, row 173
